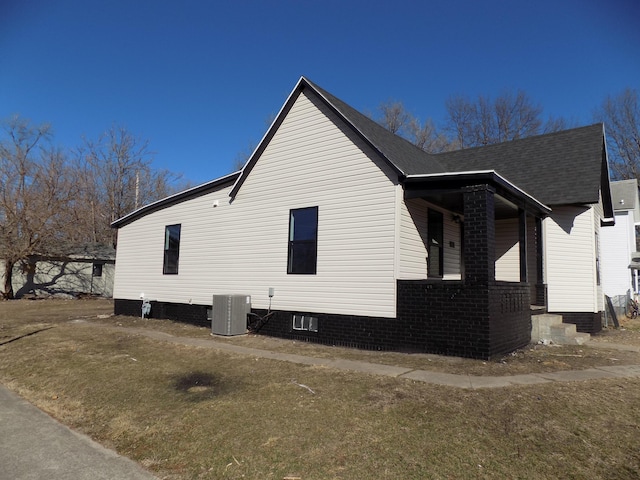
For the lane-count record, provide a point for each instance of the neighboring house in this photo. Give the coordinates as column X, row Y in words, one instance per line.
column 618, row 244
column 83, row 270
column 365, row 240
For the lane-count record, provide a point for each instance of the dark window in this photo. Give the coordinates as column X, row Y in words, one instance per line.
column 97, row 269
column 171, row 249
column 434, row 244
column 303, row 240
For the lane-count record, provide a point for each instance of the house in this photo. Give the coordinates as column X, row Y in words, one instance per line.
column 619, row 270
column 350, row 235
column 81, row 270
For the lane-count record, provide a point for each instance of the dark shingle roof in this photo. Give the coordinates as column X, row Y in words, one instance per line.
column 402, row 154
column 567, row 167
column 557, row 168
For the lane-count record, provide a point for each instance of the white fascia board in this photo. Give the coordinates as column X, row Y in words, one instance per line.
column 170, row 198
column 266, row 133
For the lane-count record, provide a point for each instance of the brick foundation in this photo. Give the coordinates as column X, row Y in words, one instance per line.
column 193, row 314
column 585, row 322
column 477, row 321
column 446, row 318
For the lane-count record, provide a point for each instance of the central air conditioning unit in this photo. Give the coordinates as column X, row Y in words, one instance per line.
column 229, row 314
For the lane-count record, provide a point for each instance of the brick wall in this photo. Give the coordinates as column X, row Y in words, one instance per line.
column 585, row 322
column 479, row 234
column 371, row 333
column 193, row 314
column 477, row 321
column 446, row 318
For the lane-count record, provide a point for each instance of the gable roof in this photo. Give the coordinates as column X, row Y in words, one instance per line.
column 567, row 167
column 562, row 168
column 403, row 155
column 399, row 153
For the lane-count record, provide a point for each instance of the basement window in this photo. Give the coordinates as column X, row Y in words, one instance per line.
column 305, row 322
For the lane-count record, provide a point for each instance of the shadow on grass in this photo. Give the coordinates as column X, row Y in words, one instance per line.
column 25, row 335
column 200, row 386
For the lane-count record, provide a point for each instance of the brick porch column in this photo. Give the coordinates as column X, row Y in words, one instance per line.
column 479, row 234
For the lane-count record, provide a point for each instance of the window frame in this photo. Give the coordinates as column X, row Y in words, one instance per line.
column 305, row 323
column 96, row 269
column 171, row 251
column 300, row 250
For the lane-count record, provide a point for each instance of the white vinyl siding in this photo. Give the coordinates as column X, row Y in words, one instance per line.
column 598, row 215
column 617, row 242
column 63, row 277
column 413, row 240
column 452, row 247
column 508, row 250
column 140, row 252
column 240, row 247
column 570, row 260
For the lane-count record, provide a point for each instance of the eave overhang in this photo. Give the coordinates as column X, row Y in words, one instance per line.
column 176, row 198
column 446, row 189
column 605, row 187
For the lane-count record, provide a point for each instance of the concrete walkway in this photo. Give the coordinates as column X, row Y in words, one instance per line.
column 34, row 446
column 436, row 378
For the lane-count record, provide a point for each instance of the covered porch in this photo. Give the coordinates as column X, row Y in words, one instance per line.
column 486, row 310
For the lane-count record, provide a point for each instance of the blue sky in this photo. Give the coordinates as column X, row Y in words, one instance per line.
column 201, row 79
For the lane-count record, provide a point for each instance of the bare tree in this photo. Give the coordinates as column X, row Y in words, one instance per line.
column 426, row 136
column 621, row 116
column 35, row 188
column 485, row 121
column 243, row 156
column 394, row 117
column 117, row 178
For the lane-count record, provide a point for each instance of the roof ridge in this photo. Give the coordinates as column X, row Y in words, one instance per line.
column 384, row 145
column 530, row 138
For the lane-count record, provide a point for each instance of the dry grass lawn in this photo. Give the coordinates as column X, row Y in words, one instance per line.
column 194, row 413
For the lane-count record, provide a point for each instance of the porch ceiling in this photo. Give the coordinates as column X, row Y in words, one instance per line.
column 446, row 191
column 452, row 200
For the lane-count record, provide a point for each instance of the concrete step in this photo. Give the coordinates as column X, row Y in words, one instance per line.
column 566, row 334
column 540, row 325
column 549, row 328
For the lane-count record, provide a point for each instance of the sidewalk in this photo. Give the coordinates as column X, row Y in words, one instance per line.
column 34, row 446
column 436, row 378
